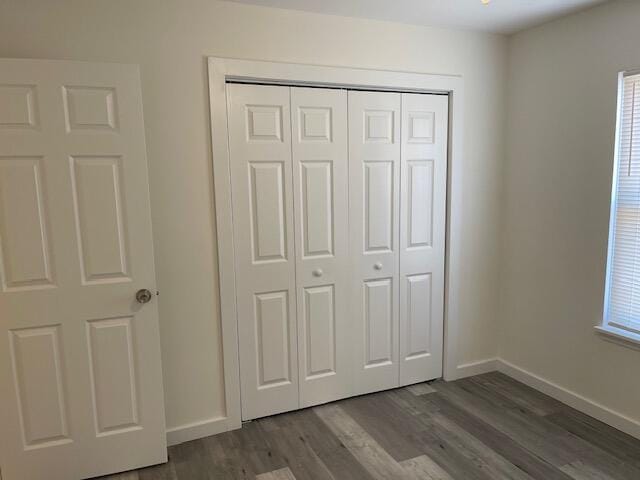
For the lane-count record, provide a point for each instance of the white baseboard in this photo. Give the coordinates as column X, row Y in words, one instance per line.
column 477, row 368
column 584, row 405
column 213, row 426
column 195, row 430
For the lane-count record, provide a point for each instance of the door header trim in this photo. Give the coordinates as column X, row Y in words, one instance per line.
column 331, row 86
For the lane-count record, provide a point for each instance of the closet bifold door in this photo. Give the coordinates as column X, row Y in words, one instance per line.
column 374, row 213
column 320, row 180
column 422, row 235
column 262, row 200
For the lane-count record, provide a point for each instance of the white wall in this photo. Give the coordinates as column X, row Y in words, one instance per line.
column 170, row 40
column 561, row 118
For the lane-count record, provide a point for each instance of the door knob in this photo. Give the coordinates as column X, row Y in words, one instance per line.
column 377, row 266
column 143, row 296
column 317, row 272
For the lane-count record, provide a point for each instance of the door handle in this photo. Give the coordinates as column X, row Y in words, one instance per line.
column 377, row 266
column 143, row 296
column 317, row 272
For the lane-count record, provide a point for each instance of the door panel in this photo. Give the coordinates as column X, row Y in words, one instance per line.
column 100, row 220
column 418, row 321
column 422, row 235
column 18, row 107
column 378, row 204
column 316, row 184
column 35, row 354
column 113, row 372
column 272, row 325
column 320, row 328
column 268, row 232
column 378, row 322
column 79, row 359
column 320, row 166
column 419, row 203
column 374, row 206
column 25, row 249
column 261, row 180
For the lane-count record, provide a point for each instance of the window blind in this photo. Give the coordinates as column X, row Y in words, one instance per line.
column 623, row 303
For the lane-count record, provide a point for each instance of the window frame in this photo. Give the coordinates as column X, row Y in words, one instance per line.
column 612, row 331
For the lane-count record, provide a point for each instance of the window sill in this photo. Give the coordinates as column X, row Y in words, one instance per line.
column 619, row 336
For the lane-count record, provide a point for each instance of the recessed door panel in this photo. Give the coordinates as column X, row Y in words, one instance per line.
column 315, row 124
column 378, row 211
column 267, row 209
column 264, row 123
column 38, row 373
column 25, row 251
column 378, row 321
column 90, row 108
column 113, row 374
column 421, row 126
column 317, row 207
column 18, row 107
column 378, row 125
column 374, row 207
column 420, row 198
column 418, row 332
column 100, row 218
column 320, row 331
column 272, row 327
column 422, row 235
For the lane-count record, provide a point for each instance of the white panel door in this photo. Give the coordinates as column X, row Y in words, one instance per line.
column 80, row 366
column 422, row 235
column 261, row 169
column 374, row 198
column 320, row 173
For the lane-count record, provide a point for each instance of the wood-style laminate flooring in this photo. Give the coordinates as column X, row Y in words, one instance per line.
column 487, row 427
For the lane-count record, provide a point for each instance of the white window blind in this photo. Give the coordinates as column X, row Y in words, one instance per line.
column 622, row 305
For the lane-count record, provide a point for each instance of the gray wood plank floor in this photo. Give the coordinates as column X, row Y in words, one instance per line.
column 487, row 427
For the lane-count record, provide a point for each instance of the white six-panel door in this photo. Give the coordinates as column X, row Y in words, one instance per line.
column 80, row 367
column 320, row 178
column 339, row 205
column 262, row 186
column 422, row 235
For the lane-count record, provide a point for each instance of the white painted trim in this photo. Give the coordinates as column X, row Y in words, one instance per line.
column 200, row 429
column 453, row 257
column 618, row 336
column 224, row 230
column 575, row 400
column 583, row 404
column 223, row 69
column 477, row 368
column 613, row 202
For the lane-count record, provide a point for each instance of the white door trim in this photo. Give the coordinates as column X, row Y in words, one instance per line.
column 222, row 70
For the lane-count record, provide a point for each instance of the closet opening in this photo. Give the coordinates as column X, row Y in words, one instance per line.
column 337, row 234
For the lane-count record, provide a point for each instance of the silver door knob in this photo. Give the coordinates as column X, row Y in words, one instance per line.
column 317, row 272
column 377, row 266
column 143, row 296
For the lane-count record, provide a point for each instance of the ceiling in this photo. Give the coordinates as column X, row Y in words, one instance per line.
column 500, row 16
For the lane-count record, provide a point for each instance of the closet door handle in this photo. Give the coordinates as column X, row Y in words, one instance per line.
column 317, row 272
column 377, row 266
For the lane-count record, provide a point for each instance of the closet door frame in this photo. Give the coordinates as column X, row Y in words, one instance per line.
column 223, row 71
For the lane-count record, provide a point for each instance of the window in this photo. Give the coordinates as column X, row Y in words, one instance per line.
column 622, row 297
